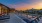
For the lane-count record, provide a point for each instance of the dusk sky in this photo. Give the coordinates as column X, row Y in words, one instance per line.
column 22, row 4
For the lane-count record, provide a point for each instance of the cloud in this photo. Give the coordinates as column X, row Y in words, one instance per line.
column 26, row 1
column 24, row 6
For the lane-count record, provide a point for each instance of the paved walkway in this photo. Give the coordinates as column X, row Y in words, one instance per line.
column 13, row 19
column 40, row 20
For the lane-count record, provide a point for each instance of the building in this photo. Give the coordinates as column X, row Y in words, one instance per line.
column 12, row 10
column 4, row 9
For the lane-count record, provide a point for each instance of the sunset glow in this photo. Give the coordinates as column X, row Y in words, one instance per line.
column 23, row 4
column 28, row 6
column 40, row 5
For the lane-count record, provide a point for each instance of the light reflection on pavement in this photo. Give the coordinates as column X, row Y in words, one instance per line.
column 13, row 19
column 40, row 20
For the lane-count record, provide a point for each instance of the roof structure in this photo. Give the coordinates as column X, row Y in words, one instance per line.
column 4, row 5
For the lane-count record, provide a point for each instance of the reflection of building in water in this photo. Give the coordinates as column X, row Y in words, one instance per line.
column 3, row 9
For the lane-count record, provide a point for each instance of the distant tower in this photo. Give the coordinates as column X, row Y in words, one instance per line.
column 33, row 8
